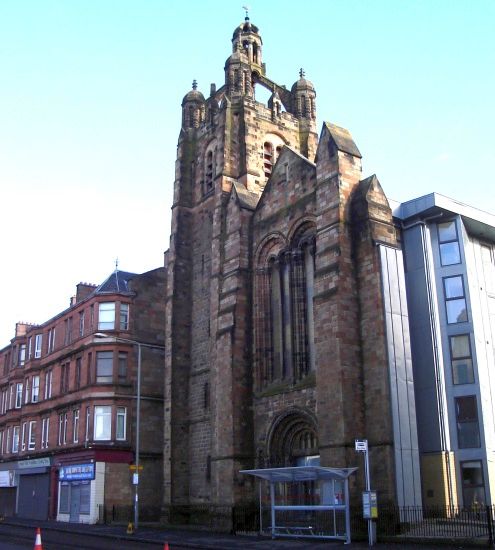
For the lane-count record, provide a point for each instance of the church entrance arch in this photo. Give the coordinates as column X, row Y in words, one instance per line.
column 293, row 440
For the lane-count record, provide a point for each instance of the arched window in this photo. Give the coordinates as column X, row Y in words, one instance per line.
column 255, row 53
column 304, row 106
column 272, row 148
column 284, row 328
column 268, row 160
column 190, row 119
column 209, row 171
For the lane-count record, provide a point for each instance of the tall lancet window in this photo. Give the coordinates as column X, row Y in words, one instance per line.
column 284, row 319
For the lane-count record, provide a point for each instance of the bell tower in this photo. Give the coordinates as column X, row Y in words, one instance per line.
column 228, row 147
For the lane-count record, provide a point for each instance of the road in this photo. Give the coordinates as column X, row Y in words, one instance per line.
column 13, row 537
column 22, row 537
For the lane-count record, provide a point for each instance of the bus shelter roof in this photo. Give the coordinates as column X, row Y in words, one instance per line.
column 300, row 473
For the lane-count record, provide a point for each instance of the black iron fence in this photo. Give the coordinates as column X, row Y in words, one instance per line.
column 403, row 523
column 125, row 514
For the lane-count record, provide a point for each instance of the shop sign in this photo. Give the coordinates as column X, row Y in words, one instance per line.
column 7, row 478
column 76, row 472
column 34, row 463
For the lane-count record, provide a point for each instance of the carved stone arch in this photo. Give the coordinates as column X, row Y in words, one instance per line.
column 301, row 230
column 270, row 246
column 292, row 436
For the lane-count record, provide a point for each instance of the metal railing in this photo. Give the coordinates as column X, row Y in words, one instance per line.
column 393, row 522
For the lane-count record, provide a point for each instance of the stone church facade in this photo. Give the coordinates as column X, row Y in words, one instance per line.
column 286, row 317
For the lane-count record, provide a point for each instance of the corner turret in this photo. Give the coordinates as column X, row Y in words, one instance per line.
column 303, row 98
column 193, row 108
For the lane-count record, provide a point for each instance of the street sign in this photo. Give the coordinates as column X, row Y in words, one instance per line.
column 135, row 480
column 361, row 445
column 133, row 467
column 370, row 505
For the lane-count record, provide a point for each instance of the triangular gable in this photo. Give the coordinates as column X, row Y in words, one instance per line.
column 287, row 156
column 340, row 137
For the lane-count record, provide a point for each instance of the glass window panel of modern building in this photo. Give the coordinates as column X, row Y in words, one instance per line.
column 468, row 433
column 455, row 301
column 473, row 487
column 461, row 360
column 448, row 243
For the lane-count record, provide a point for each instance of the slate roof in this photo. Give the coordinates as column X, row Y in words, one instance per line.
column 117, row 282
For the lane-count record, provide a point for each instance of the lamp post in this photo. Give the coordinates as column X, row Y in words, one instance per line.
column 138, row 410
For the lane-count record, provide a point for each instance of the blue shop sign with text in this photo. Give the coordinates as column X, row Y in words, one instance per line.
column 76, row 472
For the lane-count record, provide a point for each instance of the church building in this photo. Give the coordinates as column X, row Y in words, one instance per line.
column 286, row 315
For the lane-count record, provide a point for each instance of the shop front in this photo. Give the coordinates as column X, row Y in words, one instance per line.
column 8, row 490
column 75, row 491
column 85, row 480
column 33, row 491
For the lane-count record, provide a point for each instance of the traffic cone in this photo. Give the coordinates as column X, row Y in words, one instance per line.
column 37, row 541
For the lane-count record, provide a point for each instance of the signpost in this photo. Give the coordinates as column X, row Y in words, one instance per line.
column 370, row 508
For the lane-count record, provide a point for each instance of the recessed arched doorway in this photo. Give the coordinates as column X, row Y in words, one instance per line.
column 293, row 440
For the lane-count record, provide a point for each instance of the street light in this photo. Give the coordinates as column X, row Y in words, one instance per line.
column 138, row 409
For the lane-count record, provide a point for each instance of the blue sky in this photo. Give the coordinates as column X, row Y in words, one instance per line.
column 90, row 113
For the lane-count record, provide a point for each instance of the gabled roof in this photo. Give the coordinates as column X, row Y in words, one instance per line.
column 343, row 139
column 247, row 199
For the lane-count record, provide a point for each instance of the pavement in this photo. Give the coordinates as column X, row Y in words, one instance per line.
column 206, row 540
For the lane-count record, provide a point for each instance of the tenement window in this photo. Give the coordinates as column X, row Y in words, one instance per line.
column 35, row 389
column 18, row 396
column 45, row 433
column 38, row 341
column 122, row 367
column 103, row 423
column 15, row 439
column 22, row 355
column 32, row 435
column 75, row 425
column 104, row 367
column 81, row 323
column 124, row 316
column 120, row 432
column 106, row 316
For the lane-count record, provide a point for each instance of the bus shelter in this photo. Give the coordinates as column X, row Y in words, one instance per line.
column 307, row 501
